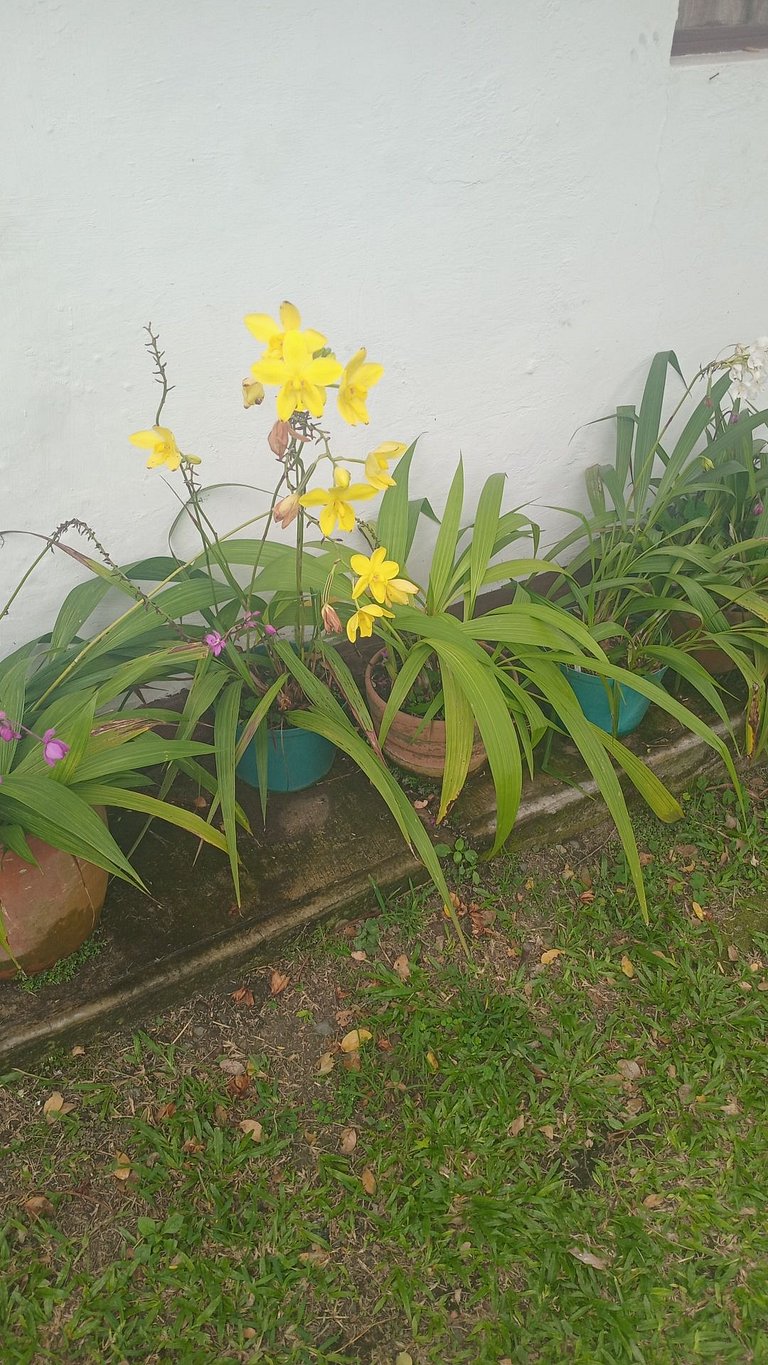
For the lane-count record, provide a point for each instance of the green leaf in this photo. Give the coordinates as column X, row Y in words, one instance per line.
column 101, row 794
column 346, row 738
column 64, row 818
column 225, row 739
column 648, row 425
column 444, row 554
column 13, row 687
column 401, row 687
column 484, row 534
column 459, row 738
column 393, row 521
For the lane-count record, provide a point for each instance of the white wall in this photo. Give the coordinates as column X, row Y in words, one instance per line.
column 512, row 204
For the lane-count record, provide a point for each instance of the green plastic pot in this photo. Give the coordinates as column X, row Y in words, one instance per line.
column 295, row 759
column 595, row 694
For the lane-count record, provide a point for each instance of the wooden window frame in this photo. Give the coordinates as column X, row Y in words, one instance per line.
column 713, row 38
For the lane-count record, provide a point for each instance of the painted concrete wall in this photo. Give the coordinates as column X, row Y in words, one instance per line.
column 512, row 204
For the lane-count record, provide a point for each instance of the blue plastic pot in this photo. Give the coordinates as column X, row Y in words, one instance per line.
column 595, row 700
column 295, row 759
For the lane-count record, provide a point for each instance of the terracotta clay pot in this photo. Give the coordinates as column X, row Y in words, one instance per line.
column 417, row 747
column 47, row 911
column 709, row 656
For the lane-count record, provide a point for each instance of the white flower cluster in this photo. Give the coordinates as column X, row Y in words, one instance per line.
column 749, row 370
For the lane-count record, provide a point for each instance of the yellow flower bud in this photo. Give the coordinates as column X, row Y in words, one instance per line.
column 253, row 393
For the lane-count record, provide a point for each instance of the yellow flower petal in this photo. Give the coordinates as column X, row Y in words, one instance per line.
column 286, row 403
column 359, row 563
column 326, row 370
column 263, row 327
column 146, row 440
column 290, row 316
column 316, row 498
column 270, row 371
column 346, row 516
column 328, row 519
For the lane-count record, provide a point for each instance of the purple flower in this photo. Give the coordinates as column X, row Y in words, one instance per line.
column 53, row 749
column 757, row 510
column 733, row 417
column 270, row 630
column 215, row 642
column 250, row 620
column 7, row 731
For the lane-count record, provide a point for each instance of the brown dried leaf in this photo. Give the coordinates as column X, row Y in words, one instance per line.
column 278, row 982
column 348, row 1141
column 549, row 955
column 697, row 910
column 548, row 1130
column 402, row 967
column 123, row 1166
column 627, row 967
column 38, row 1206
column 243, row 997
column 628, row 1069
column 733, row 953
column 432, row 1061
column 193, row 1145
column 232, row 1067
column 56, row 1106
column 633, row 1107
column 420, row 805
column 237, row 1086
column 685, row 1093
column 359, row 956
column 252, row 1129
column 731, row 1109
column 316, row 1257
column 325, row 1064
column 368, row 1180
column 165, row 1111
column 587, row 1258
column 516, row 1126
column 350, row 1061
column 221, row 1114
column 353, row 1041
column 654, row 1201
column 77, row 1051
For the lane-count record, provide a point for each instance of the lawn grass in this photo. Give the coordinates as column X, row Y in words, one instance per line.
column 527, row 1161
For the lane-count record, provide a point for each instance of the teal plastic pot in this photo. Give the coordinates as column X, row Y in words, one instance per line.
column 595, row 702
column 295, row 759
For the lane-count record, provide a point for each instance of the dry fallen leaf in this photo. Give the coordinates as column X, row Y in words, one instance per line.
column 548, row 1130
column 359, row 956
column 55, row 1106
column 368, row 1181
column 733, row 953
column 231, row 1067
column 432, row 1061
column 348, row 1141
column 697, row 910
column 316, row 1257
column 243, row 997
column 123, row 1166
column 353, row 1041
column 420, row 805
column 626, row 966
column 654, row 1201
column 516, row 1126
column 77, row 1052
column 278, row 982
column 252, row 1128
column 587, row 897
column 238, row 1086
column 628, row 1069
column 38, row 1206
column 192, row 1146
column 731, row 1109
column 402, row 967
column 350, row 1061
column 325, row 1064
column 587, row 1258
column 633, row 1107
column 403, row 1358
column 549, row 955
column 165, row 1111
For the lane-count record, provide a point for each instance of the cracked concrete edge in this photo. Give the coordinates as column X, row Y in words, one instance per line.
column 571, row 808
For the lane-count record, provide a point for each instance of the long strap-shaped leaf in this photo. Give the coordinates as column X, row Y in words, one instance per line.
column 64, row 817
column 225, row 737
column 102, row 794
column 392, row 524
column 459, row 737
column 345, row 737
column 444, row 555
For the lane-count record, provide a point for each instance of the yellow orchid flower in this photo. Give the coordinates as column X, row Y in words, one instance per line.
column 378, row 576
column 300, row 376
column 376, row 464
column 272, row 333
column 362, row 620
column 335, row 501
column 357, row 379
column 162, row 442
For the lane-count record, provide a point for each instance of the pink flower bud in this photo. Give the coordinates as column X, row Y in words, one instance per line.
column 331, row 619
column 287, row 510
column 53, row 749
column 270, row 630
column 7, row 731
column 278, row 439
